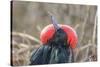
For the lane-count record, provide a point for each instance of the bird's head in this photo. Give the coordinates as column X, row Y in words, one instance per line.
column 59, row 34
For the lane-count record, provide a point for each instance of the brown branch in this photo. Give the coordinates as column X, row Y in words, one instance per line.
column 27, row 36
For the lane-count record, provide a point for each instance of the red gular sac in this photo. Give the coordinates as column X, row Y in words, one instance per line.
column 48, row 33
column 58, row 42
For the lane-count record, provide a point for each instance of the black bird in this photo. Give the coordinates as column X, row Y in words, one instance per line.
column 58, row 43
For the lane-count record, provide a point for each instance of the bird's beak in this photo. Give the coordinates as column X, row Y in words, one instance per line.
column 54, row 22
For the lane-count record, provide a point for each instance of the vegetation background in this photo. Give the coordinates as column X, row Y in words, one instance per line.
column 29, row 18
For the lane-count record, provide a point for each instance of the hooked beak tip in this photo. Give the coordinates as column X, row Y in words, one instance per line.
column 54, row 21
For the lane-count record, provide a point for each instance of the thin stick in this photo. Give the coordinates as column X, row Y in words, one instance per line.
column 27, row 36
column 83, row 26
column 94, row 30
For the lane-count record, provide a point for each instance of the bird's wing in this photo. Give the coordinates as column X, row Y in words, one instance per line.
column 36, row 56
column 40, row 56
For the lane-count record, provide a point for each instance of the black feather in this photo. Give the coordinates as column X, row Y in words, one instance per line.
column 57, row 50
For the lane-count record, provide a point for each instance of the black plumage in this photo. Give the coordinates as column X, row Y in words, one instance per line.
column 56, row 50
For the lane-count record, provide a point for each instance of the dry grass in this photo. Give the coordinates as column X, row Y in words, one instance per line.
column 31, row 17
column 21, row 51
column 22, row 47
